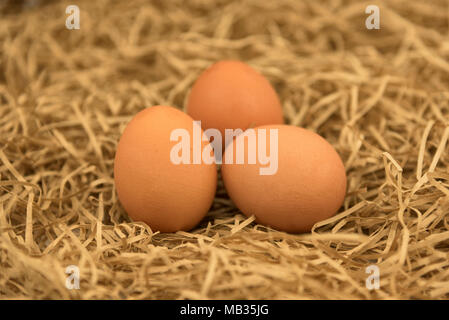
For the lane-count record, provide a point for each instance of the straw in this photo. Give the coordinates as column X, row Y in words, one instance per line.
column 380, row 97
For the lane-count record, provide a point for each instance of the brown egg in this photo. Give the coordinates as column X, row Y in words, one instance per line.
column 167, row 196
column 232, row 95
column 307, row 184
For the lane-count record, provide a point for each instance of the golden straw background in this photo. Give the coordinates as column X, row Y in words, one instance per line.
column 379, row 96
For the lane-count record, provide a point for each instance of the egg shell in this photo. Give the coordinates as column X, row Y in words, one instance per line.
column 308, row 186
column 167, row 196
column 232, row 95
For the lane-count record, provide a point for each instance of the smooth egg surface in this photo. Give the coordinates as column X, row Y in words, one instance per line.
column 232, row 95
column 151, row 188
column 308, row 186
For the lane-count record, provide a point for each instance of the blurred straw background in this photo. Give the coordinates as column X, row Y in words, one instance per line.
column 381, row 97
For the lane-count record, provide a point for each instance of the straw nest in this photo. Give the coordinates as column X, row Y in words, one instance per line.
column 379, row 96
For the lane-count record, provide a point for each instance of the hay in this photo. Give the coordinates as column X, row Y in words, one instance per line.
column 379, row 96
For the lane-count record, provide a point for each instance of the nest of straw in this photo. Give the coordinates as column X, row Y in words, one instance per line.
column 379, row 96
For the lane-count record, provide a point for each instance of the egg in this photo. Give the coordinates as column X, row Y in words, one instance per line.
column 151, row 187
column 232, row 95
column 297, row 180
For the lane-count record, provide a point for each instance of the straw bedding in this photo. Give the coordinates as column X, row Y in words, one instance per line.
column 379, row 96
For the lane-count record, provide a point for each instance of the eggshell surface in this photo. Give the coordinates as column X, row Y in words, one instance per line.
column 167, row 196
column 232, row 95
column 308, row 186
